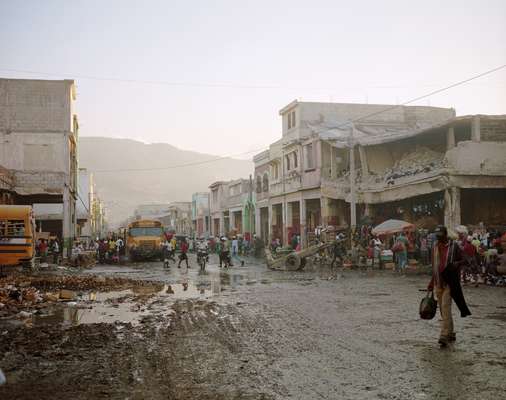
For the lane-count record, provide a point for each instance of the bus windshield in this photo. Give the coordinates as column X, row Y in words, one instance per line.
column 149, row 231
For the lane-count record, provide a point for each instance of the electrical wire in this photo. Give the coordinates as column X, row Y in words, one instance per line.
column 389, row 108
column 203, row 84
column 490, row 71
column 180, row 165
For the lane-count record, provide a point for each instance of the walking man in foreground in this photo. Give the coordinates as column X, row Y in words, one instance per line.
column 446, row 262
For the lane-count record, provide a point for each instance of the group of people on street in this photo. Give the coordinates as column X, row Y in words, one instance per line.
column 225, row 249
column 109, row 250
column 48, row 248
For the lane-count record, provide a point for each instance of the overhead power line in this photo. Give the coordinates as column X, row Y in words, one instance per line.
column 192, row 164
column 443, row 89
column 389, row 108
column 472, row 78
column 221, row 85
column 386, row 109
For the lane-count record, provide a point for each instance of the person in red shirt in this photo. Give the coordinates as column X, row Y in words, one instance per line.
column 43, row 248
column 446, row 261
column 184, row 254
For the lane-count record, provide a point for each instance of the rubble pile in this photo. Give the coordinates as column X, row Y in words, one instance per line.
column 17, row 299
column 73, row 282
column 21, row 295
column 421, row 160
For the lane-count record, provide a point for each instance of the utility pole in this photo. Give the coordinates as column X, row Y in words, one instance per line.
column 252, row 210
column 353, row 199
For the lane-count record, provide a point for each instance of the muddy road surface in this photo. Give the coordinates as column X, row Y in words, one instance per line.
column 251, row 333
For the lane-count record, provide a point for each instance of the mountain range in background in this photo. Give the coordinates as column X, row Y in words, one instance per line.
column 128, row 186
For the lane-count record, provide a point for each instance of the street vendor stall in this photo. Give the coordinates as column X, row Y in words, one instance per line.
column 392, row 226
column 384, row 231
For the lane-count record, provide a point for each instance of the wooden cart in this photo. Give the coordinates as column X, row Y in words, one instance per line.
column 295, row 260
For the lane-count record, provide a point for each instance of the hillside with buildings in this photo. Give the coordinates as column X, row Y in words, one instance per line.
column 128, row 173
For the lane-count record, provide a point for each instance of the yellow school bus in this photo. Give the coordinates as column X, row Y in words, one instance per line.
column 17, row 230
column 144, row 239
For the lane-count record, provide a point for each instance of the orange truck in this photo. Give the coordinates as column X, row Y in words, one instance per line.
column 17, row 236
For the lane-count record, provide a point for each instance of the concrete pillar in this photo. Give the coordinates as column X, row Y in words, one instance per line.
column 456, row 206
column 67, row 223
column 269, row 207
column 324, row 210
column 258, row 228
column 368, row 210
column 353, row 205
column 303, row 236
column 231, row 216
column 452, row 215
column 475, row 129
column 450, row 138
column 288, row 220
column 284, row 223
column 363, row 161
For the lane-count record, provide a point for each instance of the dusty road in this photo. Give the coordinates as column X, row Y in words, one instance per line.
column 250, row 333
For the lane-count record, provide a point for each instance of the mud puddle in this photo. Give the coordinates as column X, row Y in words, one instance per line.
column 124, row 306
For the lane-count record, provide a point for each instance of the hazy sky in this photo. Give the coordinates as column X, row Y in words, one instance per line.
column 341, row 51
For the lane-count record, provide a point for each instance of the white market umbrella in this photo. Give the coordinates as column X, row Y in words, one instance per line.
column 391, row 226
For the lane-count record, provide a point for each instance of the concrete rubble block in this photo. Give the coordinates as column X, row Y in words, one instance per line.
column 67, row 294
column 24, row 314
column 51, row 296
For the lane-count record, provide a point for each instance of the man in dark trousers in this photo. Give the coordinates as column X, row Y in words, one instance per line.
column 447, row 259
column 184, row 253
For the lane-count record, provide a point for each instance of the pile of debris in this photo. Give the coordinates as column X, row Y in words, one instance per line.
column 421, row 160
column 14, row 298
column 21, row 295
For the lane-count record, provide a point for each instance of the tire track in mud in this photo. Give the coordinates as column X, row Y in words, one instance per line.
column 211, row 349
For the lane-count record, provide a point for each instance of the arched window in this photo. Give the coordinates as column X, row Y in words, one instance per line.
column 295, row 160
column 287, row 161
column 259, row 184
column 266, row 182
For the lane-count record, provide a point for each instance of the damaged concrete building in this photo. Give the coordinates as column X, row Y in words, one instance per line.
column 38, row 145
column 178, row 218
column 232, row 208
column 420, row 164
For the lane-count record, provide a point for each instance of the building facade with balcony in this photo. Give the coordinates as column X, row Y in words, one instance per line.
column 307, row 171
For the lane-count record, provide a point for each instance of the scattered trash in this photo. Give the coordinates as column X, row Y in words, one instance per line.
column 24, row 314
